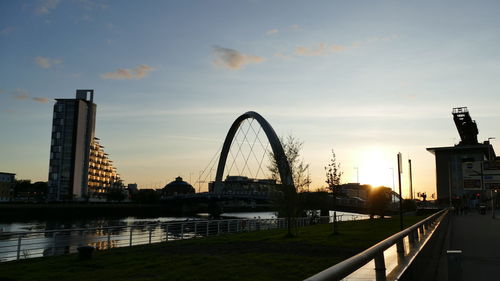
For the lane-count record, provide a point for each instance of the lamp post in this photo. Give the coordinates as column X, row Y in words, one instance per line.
column 357, row 174
column 400, row 193
column 489, row 148
column 393, row 185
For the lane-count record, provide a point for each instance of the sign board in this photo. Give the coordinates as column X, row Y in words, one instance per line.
column 475, row 176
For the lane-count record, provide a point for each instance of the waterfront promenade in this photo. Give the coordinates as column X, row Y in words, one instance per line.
column 478, row 237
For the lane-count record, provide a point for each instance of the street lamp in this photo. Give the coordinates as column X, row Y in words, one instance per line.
column 393, row 185
column 357, row 174
column 489, row 148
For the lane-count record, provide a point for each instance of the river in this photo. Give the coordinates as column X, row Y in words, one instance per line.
column 54, row 237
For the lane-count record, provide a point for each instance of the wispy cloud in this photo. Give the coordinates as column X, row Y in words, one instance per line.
column 40, row 100
column 233, row 59
column 20, row 94
column 136, row 73
column 7, row 30
column 320, row 50
column 45, row 62
column 282, row 56
column 45, row 6
column 2, row 91
column 337, row 48
column 92, row 5
column 272, row 31
column 296, row 27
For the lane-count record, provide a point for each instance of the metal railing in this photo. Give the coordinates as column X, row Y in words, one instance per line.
column 415, row 236
column 31, row 244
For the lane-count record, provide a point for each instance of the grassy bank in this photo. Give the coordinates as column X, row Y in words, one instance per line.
column 264, row 255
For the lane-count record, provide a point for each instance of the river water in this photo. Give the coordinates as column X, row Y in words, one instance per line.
column 54, row 237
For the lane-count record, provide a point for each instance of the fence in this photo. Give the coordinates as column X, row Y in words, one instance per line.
column 392, row 255
column 24, row 245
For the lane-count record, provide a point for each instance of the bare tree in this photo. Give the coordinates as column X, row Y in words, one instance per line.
column 333, row 179
column 287, row 204
column 299, row 170
column 333, row 175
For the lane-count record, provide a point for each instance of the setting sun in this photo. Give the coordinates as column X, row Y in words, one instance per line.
column 375, row 167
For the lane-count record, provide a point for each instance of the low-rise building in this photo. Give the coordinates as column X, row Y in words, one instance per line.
column 7, row 182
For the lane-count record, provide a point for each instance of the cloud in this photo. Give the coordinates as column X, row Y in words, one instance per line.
column 320, row 50
column 138, row 72
column 7, row 30
column 282, row 56
column 92, row 5
column 44, row 62
column 233, row 59
column 46, row 6
column 2, row 91
column 272, row 31
column 21, row 94
column 337, row 48
column 296, row 27
column 40, row 100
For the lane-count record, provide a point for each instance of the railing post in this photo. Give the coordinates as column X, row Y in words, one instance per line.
column 109, row 239
column 238, row 226
column 218, row 228
column 82, row 237
column 454, row 265
column 335, row 222
column 195, row 229
column 130, row 239
column 400, row 247
column 166, row 232
column 208, row 227
column 411, row 238
column 182, row 231
column 19, row 247
column 54, row 243
column 150, row 234
column 380, row 267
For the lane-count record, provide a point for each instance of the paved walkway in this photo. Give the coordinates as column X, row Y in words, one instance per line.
column 478, row 236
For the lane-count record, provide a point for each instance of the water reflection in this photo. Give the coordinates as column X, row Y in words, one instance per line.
column 63, row 237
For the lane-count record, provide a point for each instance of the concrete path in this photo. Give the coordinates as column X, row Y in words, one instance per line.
column 478, row 236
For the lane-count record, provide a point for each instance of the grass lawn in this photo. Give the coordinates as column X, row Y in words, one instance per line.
column 264, row 255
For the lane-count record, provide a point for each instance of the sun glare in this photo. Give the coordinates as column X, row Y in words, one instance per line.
column 375, row 168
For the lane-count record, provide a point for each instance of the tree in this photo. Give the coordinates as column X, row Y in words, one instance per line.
column 333, row 179
column 287, row 203
column 333, row 176
column 299, row 170
column 379, row 199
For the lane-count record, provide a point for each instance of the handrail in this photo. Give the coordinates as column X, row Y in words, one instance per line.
column 375, row 252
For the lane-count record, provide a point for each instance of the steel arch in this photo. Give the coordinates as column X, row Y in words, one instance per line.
column 279, row 154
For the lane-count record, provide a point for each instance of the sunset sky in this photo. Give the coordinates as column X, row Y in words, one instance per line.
column 365, row 78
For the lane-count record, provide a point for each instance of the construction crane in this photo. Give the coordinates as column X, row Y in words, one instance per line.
column 467, row 128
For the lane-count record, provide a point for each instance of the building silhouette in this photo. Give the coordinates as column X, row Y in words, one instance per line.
column 78, row 167
column 7, row 181
column 469, row 168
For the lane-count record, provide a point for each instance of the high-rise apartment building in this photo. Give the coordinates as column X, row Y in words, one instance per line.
column 78, row 168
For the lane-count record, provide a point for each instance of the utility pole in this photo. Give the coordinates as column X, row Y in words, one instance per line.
column 400, row 193
column 411, row 183
column 393, row 186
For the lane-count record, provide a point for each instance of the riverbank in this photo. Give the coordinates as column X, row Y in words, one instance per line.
column 25, row 212
column 263, row 255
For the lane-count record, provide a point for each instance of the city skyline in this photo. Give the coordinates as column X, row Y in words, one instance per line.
column 365, row 79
